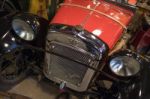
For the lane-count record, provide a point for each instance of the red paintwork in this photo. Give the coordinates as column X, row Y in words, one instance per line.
column 108, row 30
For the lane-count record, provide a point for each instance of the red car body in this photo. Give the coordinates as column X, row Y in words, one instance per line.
column 105, row 20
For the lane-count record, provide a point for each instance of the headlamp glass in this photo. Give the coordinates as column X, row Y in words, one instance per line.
column 124, row 66
column 23, row 29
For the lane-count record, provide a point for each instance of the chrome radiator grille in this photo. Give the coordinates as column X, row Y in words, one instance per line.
column 66, row 70
column 69, row 66
column 72, row 53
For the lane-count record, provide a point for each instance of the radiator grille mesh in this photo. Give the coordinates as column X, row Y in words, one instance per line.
column 72, row 53
column 65, row 69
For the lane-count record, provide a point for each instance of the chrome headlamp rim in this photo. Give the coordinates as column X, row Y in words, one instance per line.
column 121, row 67
column 23, row 29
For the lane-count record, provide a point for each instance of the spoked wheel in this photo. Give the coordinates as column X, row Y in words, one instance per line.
column 13, row 68
column 6, row 8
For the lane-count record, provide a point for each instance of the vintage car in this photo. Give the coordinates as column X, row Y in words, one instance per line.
column 90, row 32
column 89, row 47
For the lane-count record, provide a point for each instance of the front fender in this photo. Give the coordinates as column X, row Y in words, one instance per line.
column 7, row 39
column 140, row 89
column 8, row 43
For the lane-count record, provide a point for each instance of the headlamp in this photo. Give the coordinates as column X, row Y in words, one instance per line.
column 124, row 66
column 23, row 29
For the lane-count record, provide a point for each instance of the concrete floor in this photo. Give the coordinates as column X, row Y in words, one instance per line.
column 36, row 90
column 30, row 87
